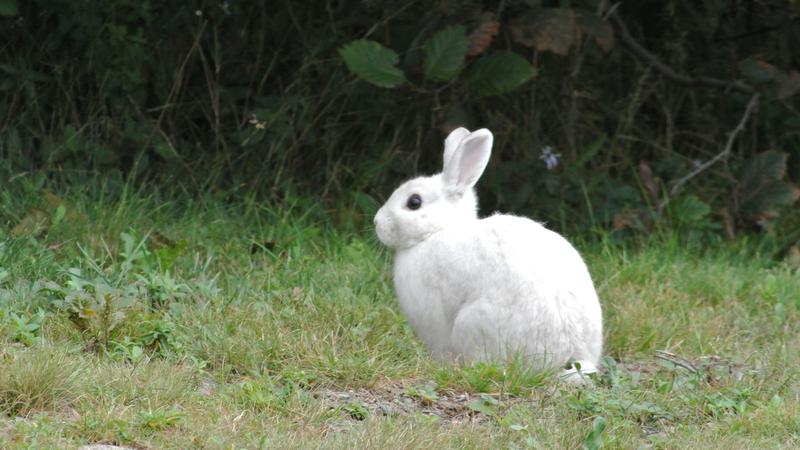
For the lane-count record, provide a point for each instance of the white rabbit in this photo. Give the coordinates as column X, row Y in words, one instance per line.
column 486, row 289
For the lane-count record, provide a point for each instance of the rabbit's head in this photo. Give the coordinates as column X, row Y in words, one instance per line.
column 424, row 206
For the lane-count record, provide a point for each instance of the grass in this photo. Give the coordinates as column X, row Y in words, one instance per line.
column 156, row 319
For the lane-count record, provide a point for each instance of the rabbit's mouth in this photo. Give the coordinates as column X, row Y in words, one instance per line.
column 389, row 236
column 384, row 230
column 398, row 241
column 404, row 232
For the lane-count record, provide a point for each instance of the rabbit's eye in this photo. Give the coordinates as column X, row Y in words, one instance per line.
column 414, row 202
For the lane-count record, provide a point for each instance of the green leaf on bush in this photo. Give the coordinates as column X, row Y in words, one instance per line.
column 373, row 63
column 499, row 73
column 444, row 54
column 8, row 8
column 690, row 211
column 763, row 187
column 769, row 194
column 768, row 165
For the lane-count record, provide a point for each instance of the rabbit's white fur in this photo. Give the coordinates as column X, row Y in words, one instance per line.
column 486, row 289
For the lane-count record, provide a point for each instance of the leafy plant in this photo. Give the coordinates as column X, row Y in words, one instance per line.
column 731, row 401
column 485, row 404
column 445, row 53
column 594, row 440
column 25, row 329
column 763, row 189
column 160, row 419
column 586, row 403
column 356, row 410
column 426, row 394
column 127, row 349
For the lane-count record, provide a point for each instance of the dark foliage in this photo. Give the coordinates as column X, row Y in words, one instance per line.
column 637, row 116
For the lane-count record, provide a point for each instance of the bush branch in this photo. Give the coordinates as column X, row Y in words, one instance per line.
column 725, row 151
column 668, row 71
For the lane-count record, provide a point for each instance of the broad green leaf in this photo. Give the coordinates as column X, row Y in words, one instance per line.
column 499, row 73
column 690, row 210
column 594, row 440
column 373, row 63
column 58, row 216
column 768, row 165
column 590, row 151
column 769, row 195
column 366, row 204
column 484, row 404
column 9, row 8
column 444, row 54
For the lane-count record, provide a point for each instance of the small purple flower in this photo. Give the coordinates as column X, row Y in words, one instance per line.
column 550, row 159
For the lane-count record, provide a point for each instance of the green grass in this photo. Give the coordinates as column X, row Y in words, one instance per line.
column 157, row 319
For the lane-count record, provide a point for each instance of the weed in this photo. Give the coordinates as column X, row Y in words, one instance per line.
column 426, row 393
column 594, row 440
column 356, row 410
column 25, row 329
column 160, row 419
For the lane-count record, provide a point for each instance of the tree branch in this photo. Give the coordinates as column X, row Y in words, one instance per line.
column 668, row 71
column 725, row 151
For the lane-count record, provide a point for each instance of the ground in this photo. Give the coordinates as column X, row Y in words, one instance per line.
column 149, row 320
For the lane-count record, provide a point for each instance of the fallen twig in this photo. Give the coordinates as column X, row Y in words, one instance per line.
column 675, row 359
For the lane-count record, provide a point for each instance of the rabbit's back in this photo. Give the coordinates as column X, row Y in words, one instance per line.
column 500, row 284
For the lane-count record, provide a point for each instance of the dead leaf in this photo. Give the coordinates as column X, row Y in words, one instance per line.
column 793, row 256
column 549, row 29
column 481, row 37
column 728, row 224
column 650, row 182
column 86, row 313
column 33, row 224
column 592, row 25
column 297, row 293
column 51, row 199
column 54, row 202
column 622, row 220
column 639, row 219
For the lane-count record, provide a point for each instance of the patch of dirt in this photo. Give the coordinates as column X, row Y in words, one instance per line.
column 397, row 398
column 393, row 399
column 104, row 447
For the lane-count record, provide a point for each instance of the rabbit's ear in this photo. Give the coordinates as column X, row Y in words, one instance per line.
column 468, row 161
column 451, row 142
